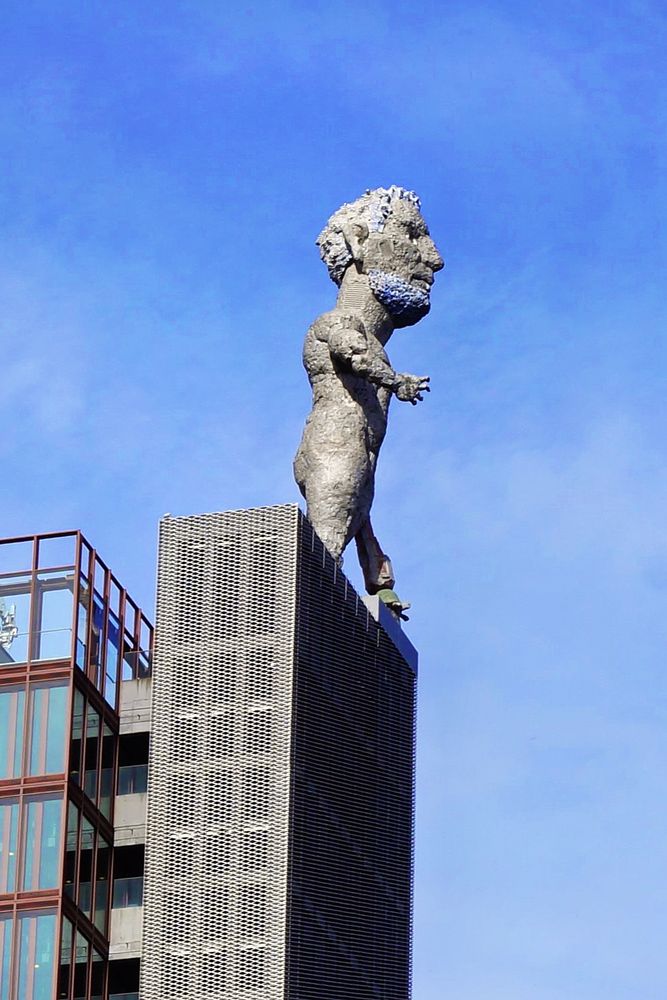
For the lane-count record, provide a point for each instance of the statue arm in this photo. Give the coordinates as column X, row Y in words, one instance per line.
column 349, row 346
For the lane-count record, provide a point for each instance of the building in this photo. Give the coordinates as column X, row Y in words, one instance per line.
column 274, row 858
column 70, row 636
column 280, row 803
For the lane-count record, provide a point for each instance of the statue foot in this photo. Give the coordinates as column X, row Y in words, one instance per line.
column 396, row 606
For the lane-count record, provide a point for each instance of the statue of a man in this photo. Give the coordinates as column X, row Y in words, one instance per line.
column 379, row 252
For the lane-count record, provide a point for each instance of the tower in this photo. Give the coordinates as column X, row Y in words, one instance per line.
column 280, row 805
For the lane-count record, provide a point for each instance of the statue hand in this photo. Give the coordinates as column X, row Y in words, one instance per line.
column 411, row 387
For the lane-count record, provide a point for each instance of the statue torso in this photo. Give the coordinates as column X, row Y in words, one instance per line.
column 337, row 392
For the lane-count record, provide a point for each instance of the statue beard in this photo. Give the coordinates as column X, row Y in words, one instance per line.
column 403, row 301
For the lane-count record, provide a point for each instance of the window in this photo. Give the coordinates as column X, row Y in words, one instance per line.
column 9, row 826
column 87, row 847
column 12, row 707
column 133, row 760
column 132, row 779
column 48, row 704
column 70, row 848
column 36, row 955
column 96, row 672
column 102, row 884
column 97, row 974
column 112, row 659
column 90, row 753
column 41, row 841
column 81, row 952
column 14, row 619
column 53, row 615
column 6, row 938
column 82, row 625
column 106, row 773
column 65, row 969
column 15, row 556
column 57, row 551
column 128, row 892
column 77, row 736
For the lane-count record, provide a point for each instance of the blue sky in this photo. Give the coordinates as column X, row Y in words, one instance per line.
column 166, row 170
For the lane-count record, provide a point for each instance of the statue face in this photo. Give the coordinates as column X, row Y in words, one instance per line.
column 400, row 263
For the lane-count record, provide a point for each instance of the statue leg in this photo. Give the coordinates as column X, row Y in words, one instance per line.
column 375, row 564
column 334, row 471
column 332, row 506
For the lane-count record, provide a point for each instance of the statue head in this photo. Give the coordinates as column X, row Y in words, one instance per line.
column 384, row 236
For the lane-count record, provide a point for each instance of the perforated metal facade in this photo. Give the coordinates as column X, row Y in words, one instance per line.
column 280, row 800
column 350, row 885
column 218, row 799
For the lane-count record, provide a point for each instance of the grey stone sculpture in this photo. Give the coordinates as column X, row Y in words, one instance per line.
column 379, row 252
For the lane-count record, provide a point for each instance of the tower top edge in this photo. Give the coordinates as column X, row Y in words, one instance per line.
column 285, row 508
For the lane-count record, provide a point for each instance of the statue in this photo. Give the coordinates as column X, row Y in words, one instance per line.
column 379, row 252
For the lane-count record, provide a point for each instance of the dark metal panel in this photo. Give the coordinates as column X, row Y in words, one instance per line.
column 352, row 809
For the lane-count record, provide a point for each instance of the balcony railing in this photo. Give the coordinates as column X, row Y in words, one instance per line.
column 49, row 644
column 132, row 779
column 128, row 892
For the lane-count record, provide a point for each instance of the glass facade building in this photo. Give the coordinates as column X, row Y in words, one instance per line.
column 69, row 635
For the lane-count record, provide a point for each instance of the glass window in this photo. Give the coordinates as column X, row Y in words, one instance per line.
column 97, row 643
column 145, row 635
column 86, row 558
column 15, row 556
column 9, row 826
column 59, row 551
column 102, row 873
column 41, row 841
column 131, row 612
column 144, row 664
column 81, row 966
column 14, row 619
column 65, row 970
column 132, row 779
column 114, row 598
column 48, row 724
column 54, row 597
column 128, row 891
column 70, row 848
column 12, row 708
column 77, row 736
column 82, row 625
column 86, row 866
column 106, row 774
column 6, row 937
column 97, row 975
column 100, row 576
column 36, row 955
column 91, row 753
column 112, row 658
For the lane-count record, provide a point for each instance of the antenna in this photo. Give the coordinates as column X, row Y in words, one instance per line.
column 8, row 627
